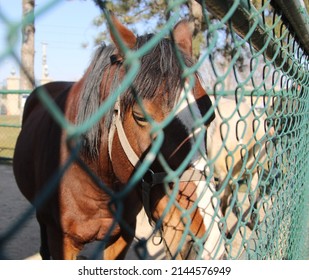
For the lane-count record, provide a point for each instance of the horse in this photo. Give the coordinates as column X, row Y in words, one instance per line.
column 91, row 200
column 238, row 150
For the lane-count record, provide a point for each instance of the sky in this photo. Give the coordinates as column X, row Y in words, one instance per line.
column 65, row 28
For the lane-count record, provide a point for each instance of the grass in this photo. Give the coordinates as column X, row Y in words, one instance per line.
column 8, row 135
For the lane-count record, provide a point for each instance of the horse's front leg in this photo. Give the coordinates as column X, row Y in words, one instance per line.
column 70, row 248
column 118, row 248
column 62, row 246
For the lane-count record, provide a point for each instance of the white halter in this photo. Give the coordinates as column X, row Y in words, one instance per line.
column 117, row 124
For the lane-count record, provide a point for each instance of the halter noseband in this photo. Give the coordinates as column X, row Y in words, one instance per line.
column 150, row 178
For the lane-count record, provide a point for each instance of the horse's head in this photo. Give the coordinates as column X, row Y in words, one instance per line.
column 159, row 89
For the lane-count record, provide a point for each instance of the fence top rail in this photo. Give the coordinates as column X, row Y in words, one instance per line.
column 14, row 91
column 244, row 92
column 296, row 16
column 261, row 38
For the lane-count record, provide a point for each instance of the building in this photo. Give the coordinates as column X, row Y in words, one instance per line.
column 13, row 98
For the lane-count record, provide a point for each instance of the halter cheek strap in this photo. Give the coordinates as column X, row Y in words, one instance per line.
column 117, row 124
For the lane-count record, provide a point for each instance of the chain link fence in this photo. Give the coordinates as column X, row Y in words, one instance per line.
column 254, row 65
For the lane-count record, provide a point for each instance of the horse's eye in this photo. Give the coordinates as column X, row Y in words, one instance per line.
column 139, row 118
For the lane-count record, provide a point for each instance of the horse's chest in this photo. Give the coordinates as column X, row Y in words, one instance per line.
column 85, row 213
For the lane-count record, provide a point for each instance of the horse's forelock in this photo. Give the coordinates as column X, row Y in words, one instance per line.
column 160, row 74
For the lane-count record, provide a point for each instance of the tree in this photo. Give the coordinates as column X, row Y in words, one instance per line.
column 27, row 48
column 146, row 11
column 152, row 14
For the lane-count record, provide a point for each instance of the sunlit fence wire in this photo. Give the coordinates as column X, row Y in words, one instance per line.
column 259, row 83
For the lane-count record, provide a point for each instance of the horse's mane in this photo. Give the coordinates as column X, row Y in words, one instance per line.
column 160, row 73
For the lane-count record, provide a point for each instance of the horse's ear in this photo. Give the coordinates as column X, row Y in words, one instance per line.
column 126, row 35
column 182, row 35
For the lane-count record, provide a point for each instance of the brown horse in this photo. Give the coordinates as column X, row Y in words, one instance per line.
column 94, row 198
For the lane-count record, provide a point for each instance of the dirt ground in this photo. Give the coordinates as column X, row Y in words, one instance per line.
column 25, row 242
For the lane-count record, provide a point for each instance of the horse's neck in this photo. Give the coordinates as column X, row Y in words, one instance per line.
column 72, row 101
column 100, row 166
column 104, row 166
